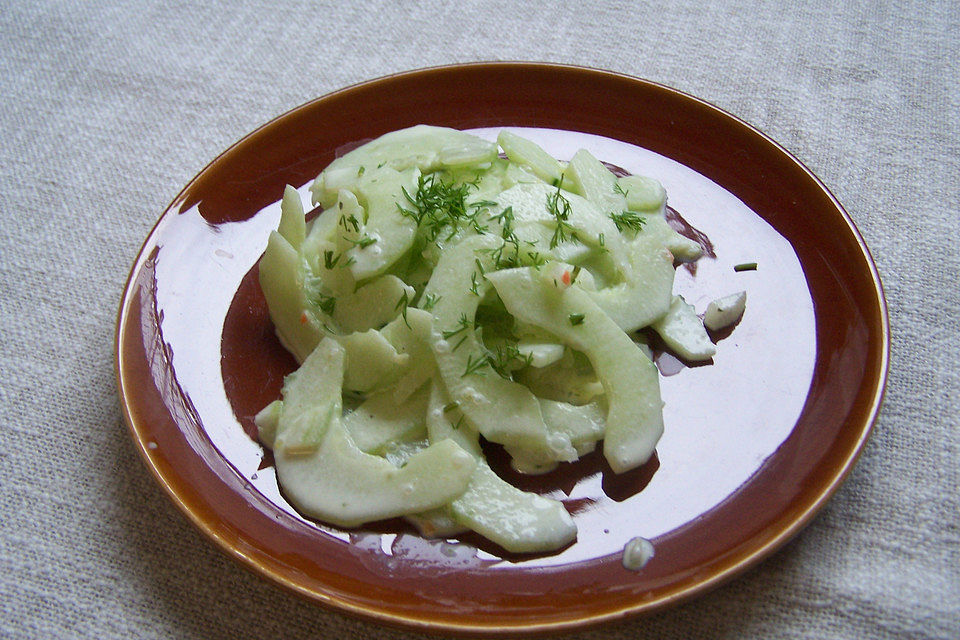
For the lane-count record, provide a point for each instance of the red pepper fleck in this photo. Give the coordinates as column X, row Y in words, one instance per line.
column 303, row 317
column 566, row 278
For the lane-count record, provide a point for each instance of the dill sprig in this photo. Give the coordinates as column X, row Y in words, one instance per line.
column 559, row 208
column 450, row 406
column 507, row 357
column 474, row 284
column 628, row 220
column 429, row 301
column 363, row 242
column 325, row 303
column 464, row 326
column 349, row 222
column 509, row 255
column 506, row 218
column 402, row 305
column 440, row 207
column 474, row 366
column 312, row 287
column 329, row 260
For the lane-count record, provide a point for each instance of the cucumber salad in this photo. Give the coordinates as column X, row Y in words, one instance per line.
column 454, row 289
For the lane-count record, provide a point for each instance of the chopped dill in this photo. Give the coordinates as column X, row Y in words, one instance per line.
column 363, row 242
column 474, row 285
column 439, row 207
column 463, row 327
column 402, row 305
column 559, row 208
column 628, row 220
column 329, row 261
column 474, row 366
column 349, row 222
column 508, row 357
column 505, row 218
column 429, row 301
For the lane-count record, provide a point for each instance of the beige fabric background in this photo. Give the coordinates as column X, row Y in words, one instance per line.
column 109, row 109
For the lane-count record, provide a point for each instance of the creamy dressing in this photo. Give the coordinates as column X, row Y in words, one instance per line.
column 637, row 553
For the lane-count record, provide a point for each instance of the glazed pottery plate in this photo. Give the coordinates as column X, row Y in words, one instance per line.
column 755, row 442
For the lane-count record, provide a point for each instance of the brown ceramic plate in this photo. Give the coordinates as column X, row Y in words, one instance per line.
column 755, row 442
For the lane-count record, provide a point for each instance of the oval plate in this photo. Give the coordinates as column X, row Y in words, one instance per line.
column 755, row 443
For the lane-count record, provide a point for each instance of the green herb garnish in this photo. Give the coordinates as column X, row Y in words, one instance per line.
column 363, row 242
column 429, row 301
column 329, row 261
column 559, row 208
column 474, row 366
column 507, row 357
column 440, row 207
column 628, row 220
column 349, row 222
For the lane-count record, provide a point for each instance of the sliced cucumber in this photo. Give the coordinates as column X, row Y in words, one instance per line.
column 380, row 420
column 683, row 332
column 311, row 401
column 372, row 361
column 630, row 380
column 385, row 235
column 502, row 410
column 282, row 282
column 293, row 226
column 532, row 156
column 519, row 521
column 336, row 481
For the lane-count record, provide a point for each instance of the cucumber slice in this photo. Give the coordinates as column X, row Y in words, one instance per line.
column 595, row 182
column 372, row 305
column 386, row 234
column 532, row 156
column 723, row 312
column 645, row 294
column 372, row 361
column 530, row 206
column 680, row 246
column 519, row 521
column 380, row 421
column 583, row 425
column 424, row 147
column 643, row 193
column 282, row 282
column 410, row 335
column 267, row 421
column 293, row 226
column 683, row 332
column 339, row 483
column 502, row 410
column 311, row 401
column 630, row 380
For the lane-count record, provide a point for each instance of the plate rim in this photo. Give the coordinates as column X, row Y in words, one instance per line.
column 421, row 623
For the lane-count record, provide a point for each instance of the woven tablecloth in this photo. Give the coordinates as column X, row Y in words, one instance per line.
column 108, row 109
